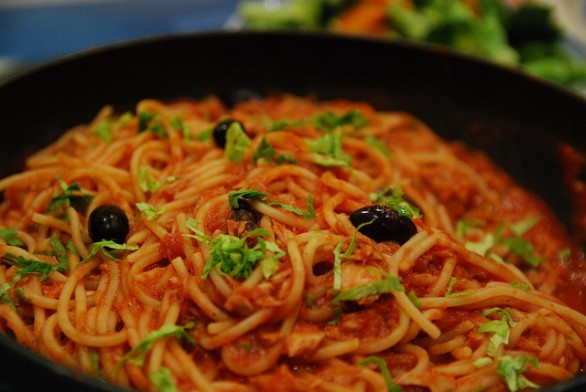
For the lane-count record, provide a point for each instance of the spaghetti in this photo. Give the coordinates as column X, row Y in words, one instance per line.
column 250, row 264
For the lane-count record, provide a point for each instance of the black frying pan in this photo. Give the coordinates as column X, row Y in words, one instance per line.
column 517, row 120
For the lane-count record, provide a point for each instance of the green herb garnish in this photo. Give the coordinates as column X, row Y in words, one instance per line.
column 391, row 386
column 138, row 354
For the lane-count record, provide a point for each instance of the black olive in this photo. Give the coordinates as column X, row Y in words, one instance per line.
column 220, row 131
column 388, row 225
column 245, row 213
column 108, row 222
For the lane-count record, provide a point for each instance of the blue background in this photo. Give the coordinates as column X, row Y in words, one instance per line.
column 42, row 30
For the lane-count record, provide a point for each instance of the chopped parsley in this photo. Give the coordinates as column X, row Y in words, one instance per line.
column 178, row 125
column 499, row 327
column 309, row 213
column 70, row 195
column 11, row 237
column 103, row 130
column 240, row 194
column 414, row 299
column 149, row 121
column 150, row 211
column 138, row 354
column 388, row 284
column 269, row 154
column 391, row 386
column 146, row 181
column 163, row 380
column 378, row 144
column 234, row 257
column 106, row 245
column 27, row 267
column 392, row 197
column 5, row 297
column 449, row 291
column 516, row 244
column 329, row 121
column 521, row 285
column 329, row 151
column 511, row 370
column 237, row 142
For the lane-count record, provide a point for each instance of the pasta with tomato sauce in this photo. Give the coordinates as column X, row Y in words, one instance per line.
column 285, row 243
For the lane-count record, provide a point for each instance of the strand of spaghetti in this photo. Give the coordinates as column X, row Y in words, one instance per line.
column 119, row 174
column 286, row 171
column 504, row 271
column 283, row 217
column 550, row 371
column 334, row 350
column 195, row 190
column 482, row 294
column 63, row 313
column 157, row 352
column 23, row 335
column 245, row 325
column 203, row 301
column 190, row 369
column 54, row 349
column 17, row 251
column 52, row 222
column 38, row 203
column 75, row 232
column 421, row 355
column 329, row 213
column 443, row 279
column 113, row 272
column 298, row 268
column 28, row 178
column 415, row 314
column 411, row 251
column 39, row 313
column 371, row 346
column 328, row 179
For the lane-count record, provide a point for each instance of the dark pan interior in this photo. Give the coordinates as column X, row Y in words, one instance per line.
column 517, row 120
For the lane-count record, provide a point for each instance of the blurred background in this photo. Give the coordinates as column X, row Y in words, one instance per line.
column 548, row 39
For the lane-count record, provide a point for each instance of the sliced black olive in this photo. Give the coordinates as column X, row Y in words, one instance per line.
column 220, row 131
column 388, row 225
column 245, row 213
column 108, row 222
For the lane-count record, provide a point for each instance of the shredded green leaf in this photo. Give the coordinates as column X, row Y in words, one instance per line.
column 237, row 142
column 177, row 123
column 392, row 197
column 70, row 195
column 29, row 266
column 449, row 291
column 146, row 181
column 379, row 144
column 500, row 328
column 511, row 370
column 232, row 255
column 103, row 130
column 149, row 121
column 60, row 253
column 5, row 297
column 106, row 245
column 388, row 284
column 329, row 151
column 150, row 211
column 329, row 121
column 138, row 354
column 521, row 285
column 391, row 386
column 11, row 237
column 309, row 213
column 241, row 194
column 414, row 299
column 163, row 380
